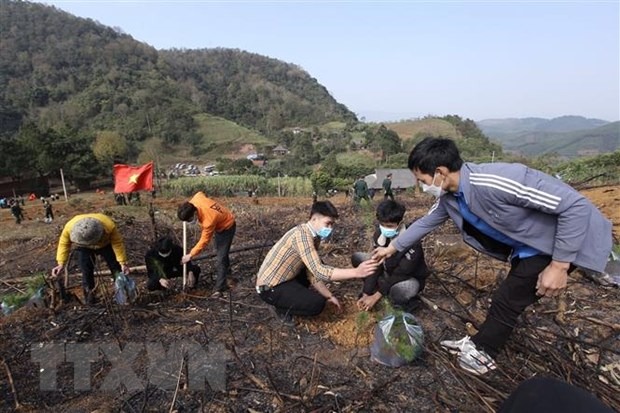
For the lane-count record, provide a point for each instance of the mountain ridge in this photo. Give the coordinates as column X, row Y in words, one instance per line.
column 58, row 67
column 567, row 135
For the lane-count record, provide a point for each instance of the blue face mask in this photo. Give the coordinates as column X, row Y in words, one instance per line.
column 388, row 232
column 324, row 232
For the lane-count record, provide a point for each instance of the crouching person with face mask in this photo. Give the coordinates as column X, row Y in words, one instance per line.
column 403, row 275
column 163, row 264
column 293, row 265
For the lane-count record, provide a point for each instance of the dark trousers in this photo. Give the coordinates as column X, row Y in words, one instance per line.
column 86, row 261
column 295, row 297
column 514, row 294
column 547, row 395
column 388, row 195
column 223, row 241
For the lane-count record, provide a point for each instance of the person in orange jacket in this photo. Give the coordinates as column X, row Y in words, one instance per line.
column 217, row 222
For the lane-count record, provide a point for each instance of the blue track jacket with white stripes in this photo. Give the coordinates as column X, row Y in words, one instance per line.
column 528, row 206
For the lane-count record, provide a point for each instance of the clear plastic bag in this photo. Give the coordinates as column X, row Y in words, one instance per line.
column 611, row 275
column 399, row 339
column 125, row 289
column 34, row 299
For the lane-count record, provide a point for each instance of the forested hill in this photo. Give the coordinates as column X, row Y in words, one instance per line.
column 251, row 89
column 61, row 71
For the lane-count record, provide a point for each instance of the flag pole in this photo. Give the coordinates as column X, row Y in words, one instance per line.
column 184, row 253
column 64, row 187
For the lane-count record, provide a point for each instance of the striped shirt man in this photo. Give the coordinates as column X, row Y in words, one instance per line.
column 295, row 250
column 293, row 265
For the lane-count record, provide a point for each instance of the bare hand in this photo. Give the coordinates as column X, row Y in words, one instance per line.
column 367, row 268
column 381, row 253
column 367, row 302
column 335, row 302
column 186, row 258
column 165, row 283
column 361, row 301
column 125, row 268
column 57, row 269
column 552, row 280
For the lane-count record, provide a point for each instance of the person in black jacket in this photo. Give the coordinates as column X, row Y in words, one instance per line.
column 403, row 275
column 163, row 262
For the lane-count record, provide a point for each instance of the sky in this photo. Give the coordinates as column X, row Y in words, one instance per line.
column 391, row 60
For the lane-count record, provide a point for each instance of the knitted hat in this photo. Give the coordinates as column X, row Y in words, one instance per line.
column 86, row 232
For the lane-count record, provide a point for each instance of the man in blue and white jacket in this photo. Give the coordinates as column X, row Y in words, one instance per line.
column 541, row 225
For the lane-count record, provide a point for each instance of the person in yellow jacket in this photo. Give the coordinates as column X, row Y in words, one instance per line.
column 217, row 222
column 92, row 234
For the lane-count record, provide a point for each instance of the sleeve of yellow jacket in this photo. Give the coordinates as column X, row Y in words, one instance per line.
column 64, row 244
column 118, row 245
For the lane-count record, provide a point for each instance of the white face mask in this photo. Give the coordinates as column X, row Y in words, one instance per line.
column 432, row 189
column 164, row 255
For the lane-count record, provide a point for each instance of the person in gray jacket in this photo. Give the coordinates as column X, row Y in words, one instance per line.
column 539, row 224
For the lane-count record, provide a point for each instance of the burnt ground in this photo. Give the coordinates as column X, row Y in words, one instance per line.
column 320, row 365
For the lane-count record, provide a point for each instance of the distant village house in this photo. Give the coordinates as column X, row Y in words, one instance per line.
column 280, row 150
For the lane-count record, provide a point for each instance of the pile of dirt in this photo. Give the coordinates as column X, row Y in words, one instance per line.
column 349, row 328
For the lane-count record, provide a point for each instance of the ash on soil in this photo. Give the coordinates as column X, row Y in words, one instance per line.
column 319, row 365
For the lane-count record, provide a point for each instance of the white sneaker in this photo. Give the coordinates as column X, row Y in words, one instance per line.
column 456, row 346
column 470, row 358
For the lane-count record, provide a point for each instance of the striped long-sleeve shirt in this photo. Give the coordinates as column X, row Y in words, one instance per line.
column 296, row 249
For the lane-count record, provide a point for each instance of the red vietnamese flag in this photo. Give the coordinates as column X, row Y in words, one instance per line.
column 133, row 178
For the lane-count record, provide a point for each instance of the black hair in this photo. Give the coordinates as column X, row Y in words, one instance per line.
column 431, row 153
column 390, row 211
column 164, row 244
column 186, row 211
column 324, row 208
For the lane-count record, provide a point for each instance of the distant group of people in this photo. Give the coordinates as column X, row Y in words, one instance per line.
column 541, row 226
column 129, row 198
column 17, row 203
column 362, row 192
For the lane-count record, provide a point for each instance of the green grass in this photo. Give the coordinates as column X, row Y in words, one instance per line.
column 355, row 158
column 228, row 185
column 333, row 127
column 435, row 127
column 224, row 136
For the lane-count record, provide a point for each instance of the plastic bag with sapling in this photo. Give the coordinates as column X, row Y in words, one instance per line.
column 124, row 289
column 611, row 275
column 398, row 340
column 32, row 297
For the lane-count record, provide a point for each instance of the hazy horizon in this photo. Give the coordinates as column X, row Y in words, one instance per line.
column 403, row 59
